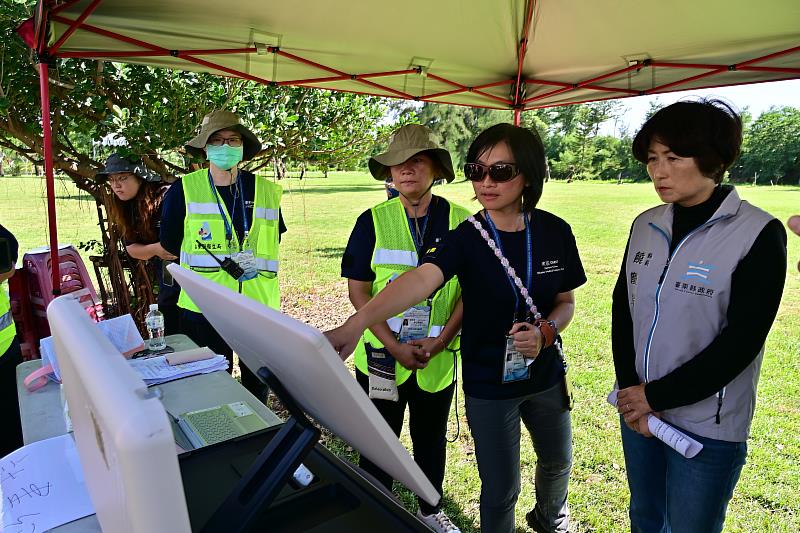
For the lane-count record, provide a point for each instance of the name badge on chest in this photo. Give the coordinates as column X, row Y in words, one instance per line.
column 415, row 323
column 515, row 366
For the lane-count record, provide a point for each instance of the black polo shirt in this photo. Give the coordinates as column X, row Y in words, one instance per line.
column 489, row 301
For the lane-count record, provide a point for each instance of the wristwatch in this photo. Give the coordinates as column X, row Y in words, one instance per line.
column 549, row 331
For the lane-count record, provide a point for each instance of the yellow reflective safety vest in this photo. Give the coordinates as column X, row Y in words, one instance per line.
column 204, row 223
column 395, row 254
column 7, row 329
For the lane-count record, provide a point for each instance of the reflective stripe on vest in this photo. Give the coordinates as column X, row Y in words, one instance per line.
column 407, row 258
column 6, row 320
column 202, row 208
column 7, row 328
column 266, row 213
column 395, row 254
column 203, row 222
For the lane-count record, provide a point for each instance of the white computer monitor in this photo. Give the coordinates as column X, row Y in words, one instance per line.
column 300, row 357
column 121, row 429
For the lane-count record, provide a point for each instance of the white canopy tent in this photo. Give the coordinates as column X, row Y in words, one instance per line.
column 512, row 54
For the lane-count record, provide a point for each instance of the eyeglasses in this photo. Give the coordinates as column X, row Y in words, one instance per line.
column 235, row 142
column 499, row 172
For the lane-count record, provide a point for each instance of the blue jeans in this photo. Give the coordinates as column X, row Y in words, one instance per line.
column 496, row 431
column 672, row 493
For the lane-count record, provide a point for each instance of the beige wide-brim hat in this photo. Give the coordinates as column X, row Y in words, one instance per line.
column 406, row 142
column 223, row 120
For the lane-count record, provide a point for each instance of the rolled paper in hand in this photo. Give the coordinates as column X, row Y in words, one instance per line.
column 672, row 437
column 188, row 356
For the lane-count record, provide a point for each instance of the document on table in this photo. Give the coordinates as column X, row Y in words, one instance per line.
column 155, row 370
column 674, row 438
column 121, row 331
column 42, row 486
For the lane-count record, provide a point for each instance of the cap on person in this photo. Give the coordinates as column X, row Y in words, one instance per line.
column 118, row 164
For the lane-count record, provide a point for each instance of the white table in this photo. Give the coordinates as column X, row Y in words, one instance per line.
column 42, row 411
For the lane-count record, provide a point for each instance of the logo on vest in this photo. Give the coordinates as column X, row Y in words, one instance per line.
column 694, row 280
column 205, row 232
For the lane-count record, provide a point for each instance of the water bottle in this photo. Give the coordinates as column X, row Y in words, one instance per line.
column 155, row 328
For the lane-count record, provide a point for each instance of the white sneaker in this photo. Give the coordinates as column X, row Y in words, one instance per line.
column 438, row 522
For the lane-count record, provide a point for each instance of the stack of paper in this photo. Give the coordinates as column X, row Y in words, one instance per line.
column 155, row 370
column 121, row 331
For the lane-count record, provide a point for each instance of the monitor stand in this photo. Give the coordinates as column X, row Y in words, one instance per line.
column 273, row 468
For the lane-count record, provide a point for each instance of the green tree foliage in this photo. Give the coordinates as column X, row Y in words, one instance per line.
column 771, row 148
column 157, row 110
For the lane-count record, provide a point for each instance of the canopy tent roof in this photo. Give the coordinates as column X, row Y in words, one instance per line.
column 512, row 54
column 447, row 51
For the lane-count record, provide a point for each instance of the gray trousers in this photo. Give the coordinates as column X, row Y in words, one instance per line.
column 495, row 429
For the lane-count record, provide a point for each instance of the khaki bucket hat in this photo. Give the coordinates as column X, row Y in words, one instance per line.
column 406, row 142
column 223, row 120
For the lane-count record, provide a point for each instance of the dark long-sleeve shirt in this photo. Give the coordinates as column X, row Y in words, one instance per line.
column 756, row 289
column 11, row 250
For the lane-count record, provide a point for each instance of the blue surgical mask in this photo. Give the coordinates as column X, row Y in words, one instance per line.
column 224, row 156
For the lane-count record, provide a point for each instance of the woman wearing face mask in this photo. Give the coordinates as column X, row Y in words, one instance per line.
column 134, row 208
column 224, row 212
column 411, row 359
column 517, row 267
column 699, row 288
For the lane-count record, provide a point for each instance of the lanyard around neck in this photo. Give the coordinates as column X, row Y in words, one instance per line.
column 229, row 223
column 529, row 258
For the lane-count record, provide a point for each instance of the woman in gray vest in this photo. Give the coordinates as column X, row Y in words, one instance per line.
column 518, row 267
column 699, row 288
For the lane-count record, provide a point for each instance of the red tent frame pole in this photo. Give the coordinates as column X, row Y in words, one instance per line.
column 47, row 152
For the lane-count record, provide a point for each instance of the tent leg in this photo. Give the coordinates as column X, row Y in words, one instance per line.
column 47, row 149
column 517, row 117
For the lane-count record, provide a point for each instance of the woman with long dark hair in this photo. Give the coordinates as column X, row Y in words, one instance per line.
column 134, row 208
column 518, row 267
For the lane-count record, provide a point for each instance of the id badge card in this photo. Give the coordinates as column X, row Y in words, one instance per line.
column 247, row 261
column 515, row 367
column 415, row 323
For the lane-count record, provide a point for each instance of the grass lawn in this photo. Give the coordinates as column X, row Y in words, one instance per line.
column 320, row 214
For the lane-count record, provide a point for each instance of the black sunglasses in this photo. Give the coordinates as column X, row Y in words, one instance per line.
column 499, row 172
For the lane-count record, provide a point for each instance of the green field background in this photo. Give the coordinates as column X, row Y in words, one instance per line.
column 320, row 213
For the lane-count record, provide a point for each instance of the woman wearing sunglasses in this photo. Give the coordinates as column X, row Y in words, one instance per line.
column 518, row 267
column 699, row 288
column 411, row 358
column 134, row 209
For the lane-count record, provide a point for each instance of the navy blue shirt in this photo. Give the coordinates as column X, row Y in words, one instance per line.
column 489, row 302
column 8, row 255
column 174, row 210
column 357, row 257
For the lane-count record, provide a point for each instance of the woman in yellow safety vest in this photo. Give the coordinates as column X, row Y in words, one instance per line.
column 518, row 267
column 411, row 359
column 10, row 352
column 223, row 212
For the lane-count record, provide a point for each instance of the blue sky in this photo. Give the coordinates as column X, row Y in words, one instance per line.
column 757, row 97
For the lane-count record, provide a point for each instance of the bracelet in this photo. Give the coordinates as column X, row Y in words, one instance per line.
column 444, row 346
column 549, row 331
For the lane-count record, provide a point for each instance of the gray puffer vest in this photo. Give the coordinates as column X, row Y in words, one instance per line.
column 679, row 306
